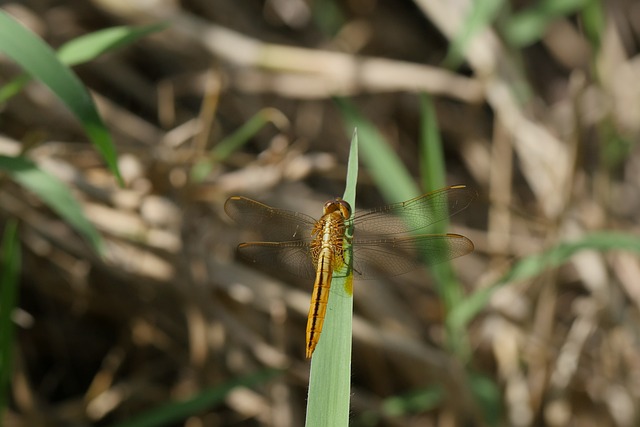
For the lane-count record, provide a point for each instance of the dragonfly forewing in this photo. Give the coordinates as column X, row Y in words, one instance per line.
column 415, row 214
column 273, row 225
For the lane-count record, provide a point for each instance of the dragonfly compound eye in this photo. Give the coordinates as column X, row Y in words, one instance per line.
column 345, row 208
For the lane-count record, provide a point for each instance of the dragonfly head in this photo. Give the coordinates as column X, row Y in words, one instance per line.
column 338, row 205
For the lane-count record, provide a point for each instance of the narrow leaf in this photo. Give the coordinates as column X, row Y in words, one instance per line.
column 330, row 377
column 90, row 46
column 533, row 265
column 53, row 193
column 41, row 63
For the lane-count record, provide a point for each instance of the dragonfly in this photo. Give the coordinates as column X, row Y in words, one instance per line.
column 386, row 241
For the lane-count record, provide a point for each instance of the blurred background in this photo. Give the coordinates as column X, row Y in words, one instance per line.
column 533, row 104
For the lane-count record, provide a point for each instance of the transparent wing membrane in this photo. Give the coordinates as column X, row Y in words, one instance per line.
column 415, row 214
column 378, row 250
column 395, row 256
column 287, row 257
column 273, row 224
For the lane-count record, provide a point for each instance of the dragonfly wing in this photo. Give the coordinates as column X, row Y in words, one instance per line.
column 279, row 257
column 273, row 224
column 391, row 257
column 414, row 214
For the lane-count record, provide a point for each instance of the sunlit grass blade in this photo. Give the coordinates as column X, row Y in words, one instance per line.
column 53, row 193
column 37, row 59
column 174, row 412
column 9, row 272
column 534, row 265
column 86, row 48
column 90, row 46
column 330, row 376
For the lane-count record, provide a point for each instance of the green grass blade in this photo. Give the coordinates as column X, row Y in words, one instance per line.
column 532, row 266
column 54, row 194
column 433, row 177
column 13, row 87
column 352, row 171
column 594, row 22
column 488, row 395
column 41, row 63
column 414, row 402
column 9, row 271
column 237, row 139
column 330, row 377
column 173, row 412
column 484, row 390
column 86, row 48
column 388, row 172
column 527, row 27
column 90, row 46
column 432, row 163
column 328, row 16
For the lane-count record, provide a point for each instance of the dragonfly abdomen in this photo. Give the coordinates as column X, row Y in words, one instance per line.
column 328, row 245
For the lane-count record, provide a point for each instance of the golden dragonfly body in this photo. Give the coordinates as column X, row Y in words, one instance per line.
column 327, row 253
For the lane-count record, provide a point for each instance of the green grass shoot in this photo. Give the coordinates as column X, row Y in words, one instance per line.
column 330, row 376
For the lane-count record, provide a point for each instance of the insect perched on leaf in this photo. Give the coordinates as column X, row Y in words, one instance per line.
column 384, row 241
